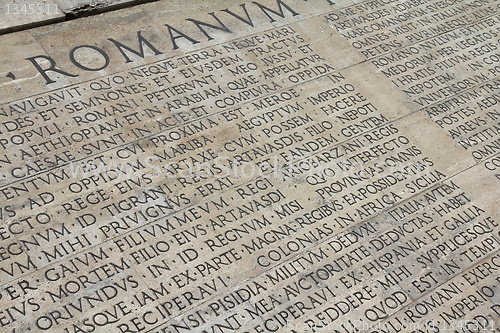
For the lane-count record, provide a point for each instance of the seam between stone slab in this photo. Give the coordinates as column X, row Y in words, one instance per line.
column 89, row 9
column 139, row 2
column 31, row 25
column 253, row 33
column 381, row 212
column 418, row 109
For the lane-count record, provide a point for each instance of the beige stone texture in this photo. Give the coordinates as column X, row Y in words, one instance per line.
column 318, row 167
column 23, row 14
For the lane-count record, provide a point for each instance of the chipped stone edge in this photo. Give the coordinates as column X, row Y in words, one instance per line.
column 88, row 9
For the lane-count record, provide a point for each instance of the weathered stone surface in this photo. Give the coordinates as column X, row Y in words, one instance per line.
column 22, row 14
column 23, row 79
column 77, row 7
column 269, row 166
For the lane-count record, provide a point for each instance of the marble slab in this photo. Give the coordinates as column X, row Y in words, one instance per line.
column 81, row 6
column 264, row 166
column 23, row 14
